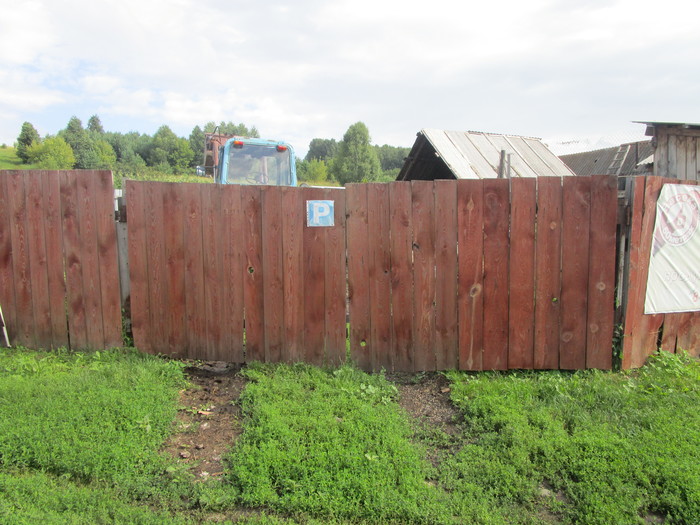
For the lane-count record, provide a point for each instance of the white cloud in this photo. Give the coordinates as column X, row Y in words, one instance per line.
column 311, row 68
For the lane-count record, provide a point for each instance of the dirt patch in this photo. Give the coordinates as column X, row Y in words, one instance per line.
column 208, row 423
column 426, row 398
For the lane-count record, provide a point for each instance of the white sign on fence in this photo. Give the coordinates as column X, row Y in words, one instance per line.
column 674, row 265
column 320, row 213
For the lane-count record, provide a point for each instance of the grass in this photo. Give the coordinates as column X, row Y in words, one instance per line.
column 10, row 161
column 80, row 436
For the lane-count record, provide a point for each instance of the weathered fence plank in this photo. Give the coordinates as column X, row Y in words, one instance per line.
column 336, row 281
column 254, row 298
column 601, row 280
column 314, row 287
column 496, row 269
column 401, row 276
column 273, row 277
column 358, row 274
column 575, row 262
column 547, row 274
column 293, row 232
column 195, row 303
column 174, row 255
column 234, row 260
column 446, row 287
column 424, row 274
column 521, row 339
column 7, row 281
column 379, row 274
column 470, row 211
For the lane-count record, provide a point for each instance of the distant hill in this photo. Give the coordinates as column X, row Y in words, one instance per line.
column 10, row 161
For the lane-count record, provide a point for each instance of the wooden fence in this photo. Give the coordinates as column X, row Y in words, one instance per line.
column 433, row 278
column 644, row 334
column 59, row 285
column 475, row 275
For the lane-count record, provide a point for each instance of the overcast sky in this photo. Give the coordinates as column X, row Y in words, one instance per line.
column 568, row 71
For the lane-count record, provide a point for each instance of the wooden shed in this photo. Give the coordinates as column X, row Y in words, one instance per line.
column 676, row 149
column 439, row 154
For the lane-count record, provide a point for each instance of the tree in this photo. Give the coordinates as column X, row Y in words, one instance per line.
column 229, row 128
column 314, row 170
column 95, row 125
column 322, row 149
column 168, row 149
column 52, row 154
column 27, row 136
column 356, row 160
column 197, row 145
column 391, row 157
column 106, row 157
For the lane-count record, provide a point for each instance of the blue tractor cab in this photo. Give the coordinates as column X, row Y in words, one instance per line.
column 245, row 160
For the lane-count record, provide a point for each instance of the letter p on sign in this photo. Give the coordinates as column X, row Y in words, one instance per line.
column 320, row 213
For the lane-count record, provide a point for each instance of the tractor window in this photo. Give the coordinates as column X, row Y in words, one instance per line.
column 257, row 164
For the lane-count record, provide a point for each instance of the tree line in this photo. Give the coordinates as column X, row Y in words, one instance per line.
column 352, row 159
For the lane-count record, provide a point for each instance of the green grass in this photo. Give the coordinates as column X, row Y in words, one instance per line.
column 90, row 418
column 615, row 447
column 329, row 444
column 80, row 435
column 10, row 161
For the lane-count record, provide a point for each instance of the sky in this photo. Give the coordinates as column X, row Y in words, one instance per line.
column 575, row 73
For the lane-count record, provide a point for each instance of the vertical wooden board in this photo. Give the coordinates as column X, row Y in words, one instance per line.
column 37, row 255
column 470, row 211
column 88, row 252
column 401, row 275
column 213, row 270
column 75, row 306
column 689, row 334
column 358, row 274
column 521, row 322
column 548, row 273
column 7, row 283
column 575, row 264
column 234, row 272
column 446, row 328
column 51, row 193
column 379, row 275
column 422, row 195
column 496, row 250
column 601, row 280
column 336, row 281
column 157, row 276
column 646, row 336
column 174, row 240
column 21, row 262
column 253, row 293
column 314, row 286
column 108, row 259
column 273, row 276
column 195, row 302
column 672, row 323
column 634, row 308
column 138, row 265
column 292, row 243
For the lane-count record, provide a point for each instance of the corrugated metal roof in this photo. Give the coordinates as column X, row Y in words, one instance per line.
column 598, row 162
column 443, row 154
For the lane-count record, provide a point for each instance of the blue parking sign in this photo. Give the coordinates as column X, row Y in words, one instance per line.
column 320, row 213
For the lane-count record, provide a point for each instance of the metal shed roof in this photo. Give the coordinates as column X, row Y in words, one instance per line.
column 440, row 154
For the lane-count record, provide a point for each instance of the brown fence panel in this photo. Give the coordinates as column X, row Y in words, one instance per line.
column 358, row 275
column 470, row 211
column 7, row 280
column 601, row 281
column 24, row 311
column 522, row 274
column 195, row 302
column 681, row 331
column 547, row 274
column 174, row 254
column 59, row 285
column 423, row 221
column 293, row 232
column 496, row 250
column 401, row 276
column 336, row 281
column 446, row 316
column 575, row 262
column 379, row 275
